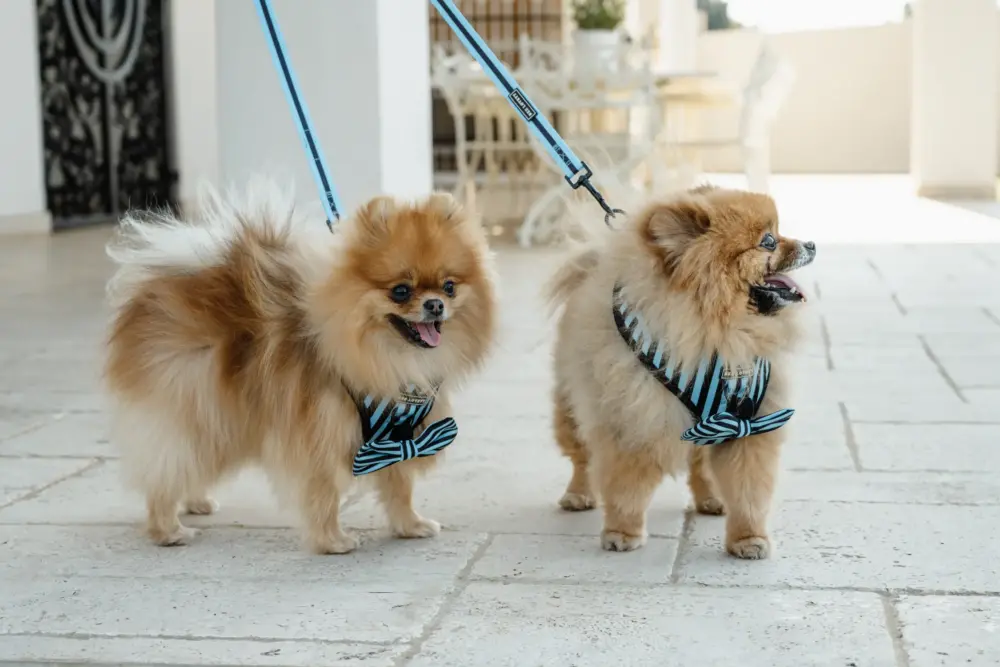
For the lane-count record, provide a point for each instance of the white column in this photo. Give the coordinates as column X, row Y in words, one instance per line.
column 955, row 110
column 194, row 94
column 677, row 33
column 363, row 69
column 22, row 183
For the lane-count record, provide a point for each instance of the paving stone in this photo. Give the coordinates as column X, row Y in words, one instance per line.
column 983, row 397
column 20, row 477
column 226, row 554
column 74, row 435
column 16, row 422
column 528, row 626
column 916, row 488
column 186, row 652
column 514, row 488
column 561, row 558
column 954, row 447
column 882, row 359
column 949, row 631
column 974, row 371
column 858, row 545
column 964, row 345
column 99, row 496
column 917, row 407
column 384, row 611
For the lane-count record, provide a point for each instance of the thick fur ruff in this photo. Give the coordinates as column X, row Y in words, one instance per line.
column 688, row 263
column 240, row 337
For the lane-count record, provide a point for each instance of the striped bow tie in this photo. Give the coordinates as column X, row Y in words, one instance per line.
column 724, row 426
column 388, row 426
column 380, row 454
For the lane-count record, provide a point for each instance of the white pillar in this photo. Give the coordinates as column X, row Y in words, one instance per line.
column 22, row 183
column 677, row 34
column 955, row 89
column 195, row 92
column 363, row 69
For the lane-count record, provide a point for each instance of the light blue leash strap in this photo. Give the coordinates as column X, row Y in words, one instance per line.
column 576, row 171
column 328, row 195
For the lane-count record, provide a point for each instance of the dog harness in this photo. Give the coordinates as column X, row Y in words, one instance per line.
column 723, row 400
column 388, row 425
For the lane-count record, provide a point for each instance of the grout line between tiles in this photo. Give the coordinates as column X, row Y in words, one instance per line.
column 849, row 436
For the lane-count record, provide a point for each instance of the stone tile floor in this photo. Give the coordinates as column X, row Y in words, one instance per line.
column 886, row 554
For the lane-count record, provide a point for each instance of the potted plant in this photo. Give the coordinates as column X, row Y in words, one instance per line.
column 597, row 38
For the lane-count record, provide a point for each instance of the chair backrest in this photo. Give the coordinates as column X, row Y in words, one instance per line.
column 771, row 80
column 539, row 57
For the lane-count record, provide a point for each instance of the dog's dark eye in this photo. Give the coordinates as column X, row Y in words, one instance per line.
column 449, row 287
column 769, row 242
column 400, row 293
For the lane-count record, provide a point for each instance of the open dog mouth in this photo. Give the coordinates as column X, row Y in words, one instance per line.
column 421, row 334
column 778, row 291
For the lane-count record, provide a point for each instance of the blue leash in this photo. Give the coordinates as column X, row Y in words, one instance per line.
column 328, row 195
column 576, row 171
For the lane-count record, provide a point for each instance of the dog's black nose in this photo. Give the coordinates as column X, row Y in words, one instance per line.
column 434, row 307
column 810, row 246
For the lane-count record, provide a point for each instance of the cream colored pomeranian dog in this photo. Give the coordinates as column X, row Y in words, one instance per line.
column 250, row 336
column 671, row 353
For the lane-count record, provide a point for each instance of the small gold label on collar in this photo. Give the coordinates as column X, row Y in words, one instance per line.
column 730, row 372
column 413, row 396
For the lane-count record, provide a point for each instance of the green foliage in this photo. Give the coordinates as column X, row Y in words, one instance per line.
column 718, row 14
column 598, row 14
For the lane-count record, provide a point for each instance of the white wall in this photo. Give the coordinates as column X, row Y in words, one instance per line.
column 849, row 110
column 194, row 94
column 22, row 190
column 364, row 71
column 955, row 92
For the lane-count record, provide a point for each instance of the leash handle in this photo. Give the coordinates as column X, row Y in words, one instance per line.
column 576, row 172
column 328, row 195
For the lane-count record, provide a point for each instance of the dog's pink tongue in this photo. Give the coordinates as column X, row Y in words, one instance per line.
column 428, row 333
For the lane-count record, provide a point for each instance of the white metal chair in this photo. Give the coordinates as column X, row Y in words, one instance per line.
column 607, row 120
column 770, row 81
column 495, row 164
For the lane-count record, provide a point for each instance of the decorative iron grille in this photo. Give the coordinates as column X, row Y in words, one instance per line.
column 104, row 108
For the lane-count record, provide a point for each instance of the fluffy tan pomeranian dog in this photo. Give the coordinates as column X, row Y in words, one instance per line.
column 254, row 336
column 671, row 353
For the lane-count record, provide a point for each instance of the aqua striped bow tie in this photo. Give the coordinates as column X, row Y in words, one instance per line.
column 724, row 426
column 388, row 426
column 381, row 454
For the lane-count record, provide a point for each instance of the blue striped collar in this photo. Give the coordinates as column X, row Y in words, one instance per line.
column 722, row 398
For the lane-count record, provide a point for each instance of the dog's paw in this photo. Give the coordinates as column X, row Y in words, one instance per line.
column 710, row 506
column 750, row 548
column 201, row 506
column 179, row 537
column 577, row 502
column 614, row 541
column 340, row 543
column 417, row 528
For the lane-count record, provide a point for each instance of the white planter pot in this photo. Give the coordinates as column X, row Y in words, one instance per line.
column 597, row 51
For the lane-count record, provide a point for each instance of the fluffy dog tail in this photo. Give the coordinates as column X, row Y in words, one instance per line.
column 153, row 243
column 569, row 276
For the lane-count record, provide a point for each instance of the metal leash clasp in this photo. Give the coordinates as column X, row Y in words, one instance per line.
column 582, row 178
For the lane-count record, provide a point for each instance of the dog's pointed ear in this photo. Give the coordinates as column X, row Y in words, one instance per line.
column 670, row 228
column 373, row 217
column 446, row 206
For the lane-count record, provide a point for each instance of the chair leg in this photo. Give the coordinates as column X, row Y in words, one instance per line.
column 757, row 167
column 526, row 233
